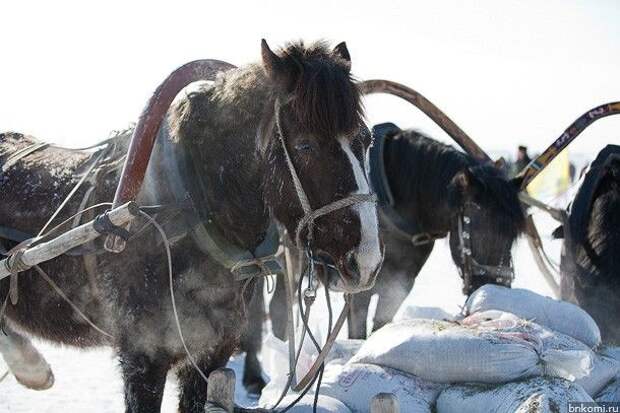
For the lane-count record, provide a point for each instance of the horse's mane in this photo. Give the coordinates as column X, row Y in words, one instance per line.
column 592, row 220
column 326, row 100
column 418, row 162
column 430, row 166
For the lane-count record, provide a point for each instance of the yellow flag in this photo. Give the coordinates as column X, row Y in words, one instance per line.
column 553, row 180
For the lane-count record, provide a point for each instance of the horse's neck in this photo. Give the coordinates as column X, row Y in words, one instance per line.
column 421, row 192
column 231, row 177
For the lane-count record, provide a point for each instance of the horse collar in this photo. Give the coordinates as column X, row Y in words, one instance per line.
column 244, row 264
column 381, row 186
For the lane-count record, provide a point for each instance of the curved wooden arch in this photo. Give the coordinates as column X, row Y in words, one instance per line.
column 537, row 165
column 150, row 120
column 429, row 109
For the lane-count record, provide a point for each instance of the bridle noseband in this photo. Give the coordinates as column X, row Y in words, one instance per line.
column 503, row 274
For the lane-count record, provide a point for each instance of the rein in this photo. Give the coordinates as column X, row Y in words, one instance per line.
column 307, row 221
column 503, row 274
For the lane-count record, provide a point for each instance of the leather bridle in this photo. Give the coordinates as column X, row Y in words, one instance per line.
column 311, row 215
column 470, row 268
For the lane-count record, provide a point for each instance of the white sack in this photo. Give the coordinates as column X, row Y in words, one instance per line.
column 410, row 312
column 342, row 351
column 600, row 369
column 611, row 392
column 275, row 363
column 560, row 316
column 325, row 404
column 446, row 352
column 537, row 395
column 356, row 385
column 611, row 351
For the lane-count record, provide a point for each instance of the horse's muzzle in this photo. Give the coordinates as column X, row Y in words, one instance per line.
column 346, row 275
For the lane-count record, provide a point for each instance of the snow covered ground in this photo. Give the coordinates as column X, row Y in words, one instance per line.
column 89, row 381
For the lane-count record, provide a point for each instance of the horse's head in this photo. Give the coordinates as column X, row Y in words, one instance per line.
column 487, row 220
column 314, row 146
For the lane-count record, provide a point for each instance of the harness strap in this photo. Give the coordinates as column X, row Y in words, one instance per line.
column 21, row 154
column 103, row 225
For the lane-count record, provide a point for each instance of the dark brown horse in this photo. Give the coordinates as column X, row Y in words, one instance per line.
column 243, row 152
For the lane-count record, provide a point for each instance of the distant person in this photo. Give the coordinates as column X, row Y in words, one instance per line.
column 523, row 160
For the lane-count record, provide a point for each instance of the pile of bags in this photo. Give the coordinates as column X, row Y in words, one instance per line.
column 510, row 351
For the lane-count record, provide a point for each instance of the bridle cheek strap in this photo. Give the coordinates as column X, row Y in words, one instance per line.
column 503, row 274
column 311, row 215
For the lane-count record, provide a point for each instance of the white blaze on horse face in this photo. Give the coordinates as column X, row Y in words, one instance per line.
column 368, row 254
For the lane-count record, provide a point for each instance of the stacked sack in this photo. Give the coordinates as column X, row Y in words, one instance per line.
column 511, row 351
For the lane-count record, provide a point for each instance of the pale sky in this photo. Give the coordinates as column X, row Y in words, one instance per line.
column 507, row 72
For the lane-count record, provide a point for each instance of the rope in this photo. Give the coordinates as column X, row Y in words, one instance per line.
column 166, row 243
column 14, row 263
column 259, row 262
column 351, row 200
column 303, row 199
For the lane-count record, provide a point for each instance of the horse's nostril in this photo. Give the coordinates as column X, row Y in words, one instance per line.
column 351, row 263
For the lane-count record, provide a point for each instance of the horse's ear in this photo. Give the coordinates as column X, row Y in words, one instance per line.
column 465, row 179
column 272, row 63
column 461, row 187
column 342, row 52
column 517, row 181
column 500, row 163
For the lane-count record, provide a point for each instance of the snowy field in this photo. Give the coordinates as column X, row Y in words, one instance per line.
column 89, row 381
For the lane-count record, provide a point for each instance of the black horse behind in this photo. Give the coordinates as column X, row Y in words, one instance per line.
column 429, row 190
column 591, row 254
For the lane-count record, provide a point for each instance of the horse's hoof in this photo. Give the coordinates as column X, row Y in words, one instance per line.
column 36, row 383
column 25, row 362
column 254, row 387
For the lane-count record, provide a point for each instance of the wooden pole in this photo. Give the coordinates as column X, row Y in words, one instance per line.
column 384, row 403
column 221, row 392
column 429, row 109
column 74, row 238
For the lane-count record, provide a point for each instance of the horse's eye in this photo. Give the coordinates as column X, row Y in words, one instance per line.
column 303, row 147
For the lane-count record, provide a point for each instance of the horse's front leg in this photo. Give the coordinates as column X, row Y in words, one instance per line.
column 251, row 341
column 192, row 386
column 358, row 313
column 398, row 282
column 277, row 309
column 144, row 377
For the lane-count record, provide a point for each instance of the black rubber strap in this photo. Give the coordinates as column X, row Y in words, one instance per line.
column 104, row 226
